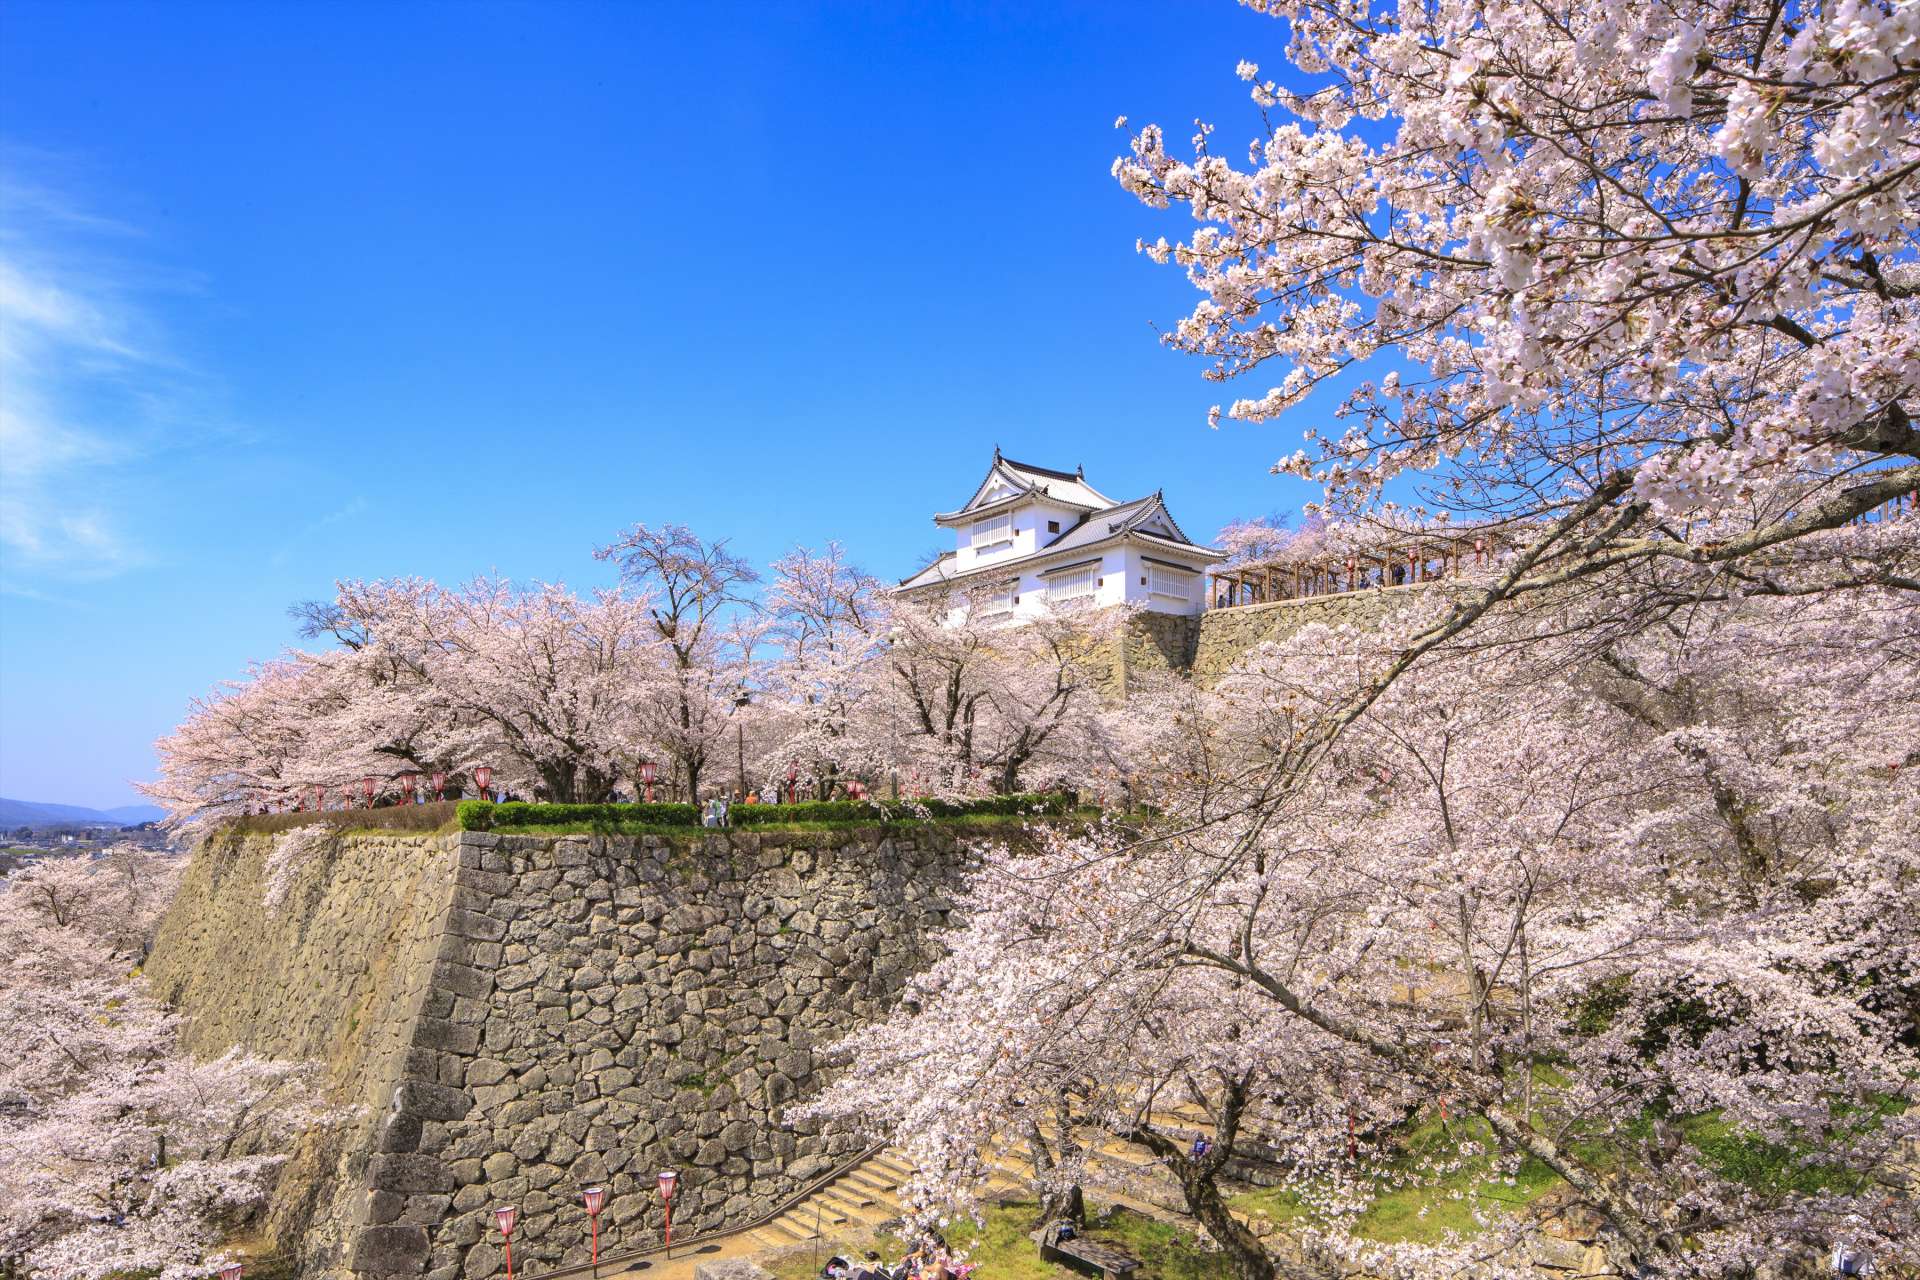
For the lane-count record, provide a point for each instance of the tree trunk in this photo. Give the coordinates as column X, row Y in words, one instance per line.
column 1069, row 1204
column 1055, row 1204
column 1245, row 1254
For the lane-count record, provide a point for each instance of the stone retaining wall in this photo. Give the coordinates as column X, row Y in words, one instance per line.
column 1154, row 642
column 1226, row 634
column 526, row 1016
column 337, row 974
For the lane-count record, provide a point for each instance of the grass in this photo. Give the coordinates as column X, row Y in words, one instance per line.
column 1004, row 1249
column 1413, row 1203
column 1768, row 1167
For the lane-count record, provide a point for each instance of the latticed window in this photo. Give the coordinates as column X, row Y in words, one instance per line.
column 997, row 600
column 993, row 533
column 1171, row 584
column 1071, row 585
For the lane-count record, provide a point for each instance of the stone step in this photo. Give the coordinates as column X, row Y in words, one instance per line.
column 849, row 1197
column 764, row 1238
column 873, row 1180
column 789, row 1231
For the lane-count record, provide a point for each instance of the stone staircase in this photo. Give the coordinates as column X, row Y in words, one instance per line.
column 859, row 1200
column 867, row 1195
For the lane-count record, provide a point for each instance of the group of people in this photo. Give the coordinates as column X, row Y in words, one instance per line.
column 718, row 810
column 929, row 1260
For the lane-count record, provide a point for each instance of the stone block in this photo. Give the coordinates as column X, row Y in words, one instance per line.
column 495, row 883
column 426, row 1209
column 384, row 1206
column 399, row 1132
column 731, row 1269
column 433, row 1101
column 482, row 1071
column 471, row 924
column 447, row 1037
column 482, row 1260
column 410, row 1174
column 399, row 1249
column 462, row 980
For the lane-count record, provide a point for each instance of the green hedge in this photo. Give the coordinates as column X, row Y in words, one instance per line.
column 480, row 815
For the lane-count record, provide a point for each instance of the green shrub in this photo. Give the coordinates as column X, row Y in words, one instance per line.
column 482, row 815
column 1049, row 804
column 479, row 815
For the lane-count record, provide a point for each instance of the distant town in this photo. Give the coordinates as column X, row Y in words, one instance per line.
column 31, row 831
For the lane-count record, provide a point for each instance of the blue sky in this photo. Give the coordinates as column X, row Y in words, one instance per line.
column 293, row 293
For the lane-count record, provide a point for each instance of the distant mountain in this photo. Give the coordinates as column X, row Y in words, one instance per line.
column 34, row 813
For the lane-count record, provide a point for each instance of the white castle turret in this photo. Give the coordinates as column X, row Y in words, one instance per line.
column 1031, row 535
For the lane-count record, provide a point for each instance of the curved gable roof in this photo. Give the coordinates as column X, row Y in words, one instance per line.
column 1022, row 480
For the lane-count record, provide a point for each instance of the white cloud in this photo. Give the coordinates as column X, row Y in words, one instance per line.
column 85, row 389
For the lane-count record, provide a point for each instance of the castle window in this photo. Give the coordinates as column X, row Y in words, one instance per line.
column 1053, row 526
column 1071, row 586
column 994, row 533
column 1171, row 584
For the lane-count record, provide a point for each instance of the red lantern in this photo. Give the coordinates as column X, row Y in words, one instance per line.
column 793, row 776
column 483, row 778
column 320, row 798
column 408, row 781
column 668, row 1181
column 504, row 1217
column 596, row 1199
column 366, row 789
column 232, row 1271
column 439, row 784
column 648, row 772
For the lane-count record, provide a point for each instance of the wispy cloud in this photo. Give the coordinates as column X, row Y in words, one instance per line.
column 87, row 388
column 354, row 508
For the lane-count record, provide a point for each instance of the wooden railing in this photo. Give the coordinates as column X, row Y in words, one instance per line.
column 1431, row 559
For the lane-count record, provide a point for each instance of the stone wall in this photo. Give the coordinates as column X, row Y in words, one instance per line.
column 1156, row 642
column 336, row 974
column 1226, row 634
column 526, row 1016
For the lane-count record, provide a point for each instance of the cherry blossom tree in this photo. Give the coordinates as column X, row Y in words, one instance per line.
column 1604, row 876
column 1636, row 280
column 254, row 741
column 971, row 699
column 545, row 681
column 828, row 619
column 692, row 586
column 119, row 1153
column 552, row 690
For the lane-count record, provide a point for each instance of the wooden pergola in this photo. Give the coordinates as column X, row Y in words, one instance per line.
column 1276, row 581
